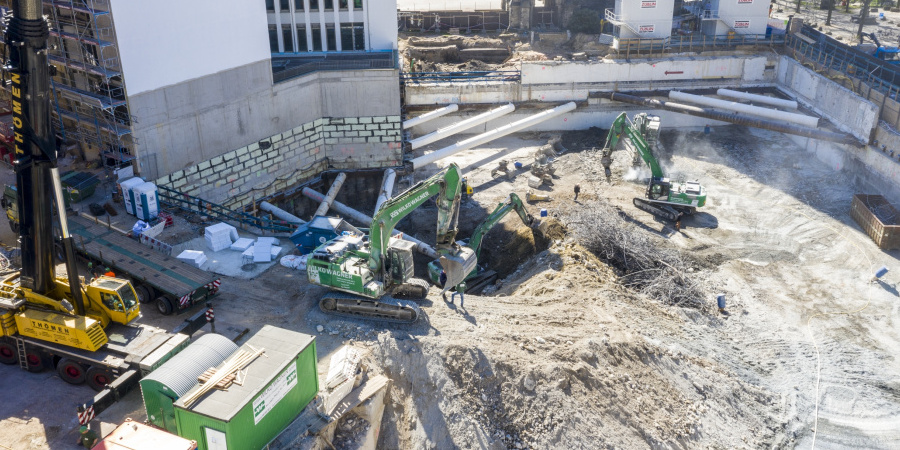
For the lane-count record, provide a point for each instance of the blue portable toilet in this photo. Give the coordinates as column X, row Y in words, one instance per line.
column 318, row 231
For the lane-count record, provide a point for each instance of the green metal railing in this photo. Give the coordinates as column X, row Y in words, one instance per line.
column 196, row 205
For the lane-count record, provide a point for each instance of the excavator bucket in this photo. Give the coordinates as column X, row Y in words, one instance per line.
column 457, row 266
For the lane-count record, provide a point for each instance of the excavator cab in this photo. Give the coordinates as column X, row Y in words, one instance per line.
column 115, row 297
column 400, row 259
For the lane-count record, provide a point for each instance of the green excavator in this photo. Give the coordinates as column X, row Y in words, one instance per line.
column 479, row 276
column 664, row 198
column 367, row 271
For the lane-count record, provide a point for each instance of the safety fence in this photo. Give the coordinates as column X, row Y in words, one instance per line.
column 197, row 206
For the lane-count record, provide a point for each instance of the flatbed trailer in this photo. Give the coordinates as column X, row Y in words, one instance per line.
column 114, row 369
column 172, row 285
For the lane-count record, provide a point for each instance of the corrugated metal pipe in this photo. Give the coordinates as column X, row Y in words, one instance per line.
column 782, row 127
column 460, row 126
column 280, row 213
column 774, row 114
column 407, row 124
column 781, row 103
column 332, row 193
column 491, row 135
column 387, row 188
column 365, row 220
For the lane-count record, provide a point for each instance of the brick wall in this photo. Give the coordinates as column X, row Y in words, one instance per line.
column 237, row 178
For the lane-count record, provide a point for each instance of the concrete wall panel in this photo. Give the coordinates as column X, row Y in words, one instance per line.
column 232, row 109
column 162, row 45
column 845, row 109
column 550, row 72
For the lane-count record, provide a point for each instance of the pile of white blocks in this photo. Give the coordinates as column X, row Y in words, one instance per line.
column 193, row 257
column 242, row 244
column 220, row 236
column 264, row 250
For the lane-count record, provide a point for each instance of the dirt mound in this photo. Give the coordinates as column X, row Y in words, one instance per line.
column 508, row 248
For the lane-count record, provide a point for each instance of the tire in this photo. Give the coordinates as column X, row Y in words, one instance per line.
column 8, row 354
column 35, row 362
column 70, row 371
column 98, row 377
column 164, row 305
column 144, row 293
column 14, row 226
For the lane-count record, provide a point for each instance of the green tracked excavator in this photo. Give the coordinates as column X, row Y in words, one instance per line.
column 367, row 271
column 480, row 277
column 664, row 198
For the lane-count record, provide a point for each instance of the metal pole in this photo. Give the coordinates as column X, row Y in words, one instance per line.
column 332, row 193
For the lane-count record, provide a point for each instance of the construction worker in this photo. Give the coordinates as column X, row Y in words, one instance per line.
column 109, row 273
column 87, row 438
column 460, row 289
column 443, row 280
column 577, row 191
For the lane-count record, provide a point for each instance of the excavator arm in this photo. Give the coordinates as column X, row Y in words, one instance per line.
column 635, row 132
column 446, row 185
column 513, row 203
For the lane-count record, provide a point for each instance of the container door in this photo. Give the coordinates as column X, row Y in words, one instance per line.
column 215, row 439
column 167, row 411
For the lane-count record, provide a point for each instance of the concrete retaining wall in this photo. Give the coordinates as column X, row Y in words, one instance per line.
column 236, row 178
column 562, row 81
column 848, row 111
column 180, row 126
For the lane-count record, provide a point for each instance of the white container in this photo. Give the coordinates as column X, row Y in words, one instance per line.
column 127, row 186
column 146, row 206
column 645, row 19
column 742, row 17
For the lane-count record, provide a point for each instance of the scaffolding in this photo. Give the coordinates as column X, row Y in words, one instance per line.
column 90, row 111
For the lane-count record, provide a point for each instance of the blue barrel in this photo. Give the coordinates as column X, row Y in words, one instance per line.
column 543, row 212
column 880, row 273
column 720, row 300
column 517, row 165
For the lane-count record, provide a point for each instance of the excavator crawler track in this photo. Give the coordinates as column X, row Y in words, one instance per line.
column 414, row 289
column 658, row 209
column 385, row 309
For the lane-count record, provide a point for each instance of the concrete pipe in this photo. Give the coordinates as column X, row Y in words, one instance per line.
column 407, row 124
column 332, row 193
column 387, row 188
column 774, row 114
column 461, row 126
column 280, row 213
column 491, row 135
column 788, row 104
column 841, row 138
column 365, row 220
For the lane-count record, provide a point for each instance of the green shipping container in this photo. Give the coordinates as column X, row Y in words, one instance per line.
column 162, row 387
column 277, row 386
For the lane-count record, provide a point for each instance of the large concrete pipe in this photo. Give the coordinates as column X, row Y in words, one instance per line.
column 407, row 124
column 841, row 138
column 463, row 125
column 280, row 213
column 781, row 103
column 491, row 135
column 365, row 220
column 332, row 193
column 387, row 188
column 800, row 119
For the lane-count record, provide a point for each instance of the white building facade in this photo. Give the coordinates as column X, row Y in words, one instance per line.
column 305, row 26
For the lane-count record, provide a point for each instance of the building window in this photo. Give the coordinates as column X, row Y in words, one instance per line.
column 332, row 40
column 285, row 5
column 329, row 5
column 273, row 39
column 313, row 5
column 359, row 38
column 270, row 5
column 301, row 38
column 316, row 38
column 343, row 6
column 352, row 37
column 288, row 39
column 298, row 4
column 357, row 4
